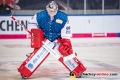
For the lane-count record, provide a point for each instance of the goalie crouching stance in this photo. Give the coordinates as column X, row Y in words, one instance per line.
column 54, row 25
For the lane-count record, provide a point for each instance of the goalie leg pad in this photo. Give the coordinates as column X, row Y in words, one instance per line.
column 29, row 66
column 72, row 64
column 36, row 38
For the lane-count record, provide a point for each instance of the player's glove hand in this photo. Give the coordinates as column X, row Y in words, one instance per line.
column 65, row 47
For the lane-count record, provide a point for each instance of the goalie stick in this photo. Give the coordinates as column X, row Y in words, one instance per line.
column 69, row 63
column 53, row 52
column 14, row 19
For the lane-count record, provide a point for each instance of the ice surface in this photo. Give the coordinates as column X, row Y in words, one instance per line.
column 99, row 55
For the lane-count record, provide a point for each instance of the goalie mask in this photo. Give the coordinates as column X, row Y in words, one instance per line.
column 52, row 8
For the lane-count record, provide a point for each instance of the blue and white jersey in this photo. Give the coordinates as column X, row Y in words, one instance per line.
column 57, row 27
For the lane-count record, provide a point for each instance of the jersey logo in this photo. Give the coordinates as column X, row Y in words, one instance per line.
column 68, row 30
column 59, row 21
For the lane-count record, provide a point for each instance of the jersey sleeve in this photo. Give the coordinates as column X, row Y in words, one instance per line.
column 32, row 23
column 66, row 31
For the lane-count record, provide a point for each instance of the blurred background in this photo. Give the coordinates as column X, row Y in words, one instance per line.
column 68, row 6
column 93, row 17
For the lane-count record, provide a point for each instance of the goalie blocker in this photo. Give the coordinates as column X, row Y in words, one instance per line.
column 36, row 38
column 39, row 54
